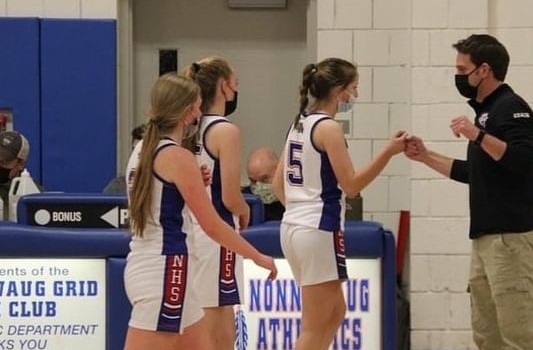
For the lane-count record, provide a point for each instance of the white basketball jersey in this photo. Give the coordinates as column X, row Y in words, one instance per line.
column 203, row 156
column 167, row 227
column 313, row 197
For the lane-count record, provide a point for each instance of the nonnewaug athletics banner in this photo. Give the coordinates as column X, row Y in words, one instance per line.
column 52, row 304
column 270, row 316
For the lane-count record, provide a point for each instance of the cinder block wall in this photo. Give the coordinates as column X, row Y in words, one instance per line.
column 376, row 35
column 406, row 61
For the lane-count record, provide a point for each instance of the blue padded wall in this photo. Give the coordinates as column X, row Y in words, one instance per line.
column 78, row 108
column 19, row 81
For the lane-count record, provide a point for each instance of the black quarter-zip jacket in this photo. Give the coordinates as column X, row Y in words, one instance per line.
column 501, row 192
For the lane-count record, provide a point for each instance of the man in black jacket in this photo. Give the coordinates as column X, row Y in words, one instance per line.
column 499, row 173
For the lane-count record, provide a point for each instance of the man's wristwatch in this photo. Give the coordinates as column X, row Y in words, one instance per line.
column 479, row 137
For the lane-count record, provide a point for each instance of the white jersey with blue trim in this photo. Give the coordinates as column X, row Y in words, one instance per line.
column 205, row 157
column 313, row 197
column 167, row 227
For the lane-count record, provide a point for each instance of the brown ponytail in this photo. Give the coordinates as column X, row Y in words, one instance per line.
column 307, row 79
column 171, row 98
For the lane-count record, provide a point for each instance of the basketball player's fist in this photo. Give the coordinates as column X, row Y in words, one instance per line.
column 415, row 149
column 397, row 143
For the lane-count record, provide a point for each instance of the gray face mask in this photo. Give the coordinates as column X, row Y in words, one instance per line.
column 263, row 191
column 343, row 107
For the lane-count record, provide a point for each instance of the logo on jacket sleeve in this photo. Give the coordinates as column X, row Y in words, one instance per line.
column 483, row 119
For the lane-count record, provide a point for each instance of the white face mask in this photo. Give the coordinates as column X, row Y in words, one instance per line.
column 343, row 107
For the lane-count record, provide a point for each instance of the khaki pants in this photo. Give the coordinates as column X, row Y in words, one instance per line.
column 501, row 287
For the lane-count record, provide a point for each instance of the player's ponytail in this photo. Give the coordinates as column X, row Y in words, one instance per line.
column 307, row 79
column 171, row 99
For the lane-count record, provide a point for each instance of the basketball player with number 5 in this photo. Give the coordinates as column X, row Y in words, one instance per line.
column 313, row 177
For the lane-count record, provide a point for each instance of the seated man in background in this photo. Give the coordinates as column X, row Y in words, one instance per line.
column 262, row 164
column 14, row 150
column 118, row 184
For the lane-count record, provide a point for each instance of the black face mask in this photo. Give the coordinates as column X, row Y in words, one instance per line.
column 4, row 175
column 464, row 87
column 231, row 106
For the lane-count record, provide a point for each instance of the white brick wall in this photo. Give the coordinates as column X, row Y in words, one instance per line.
column 443, row 340
column 398, row 165
column 352, row 14
column 521, row 55
column 448, row 198
column 366, row 90
column 376, row 37
column 468, row 14
column 371, row 47
column 399, row 194
column 520, row 79
column 404, row 50
column 420, row 47
column 391, row 14
column 371, row 121
column 439, row 235
column 439, row 273
column 399, row 47
column 388, row 85
column 360, row 151
column 512, row 14
column 429, row 13
column 325, row 14
column 430, row 310
column 434, row 85
column 419, row 200
column 328, row 44
column 59, row 8
column 439, row 118
column 400, row 117
column 441, row 52
column 376, row 195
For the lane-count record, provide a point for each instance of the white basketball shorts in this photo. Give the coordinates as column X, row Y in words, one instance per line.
column 160, row 289
column 315, row 256
column 218, row 280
